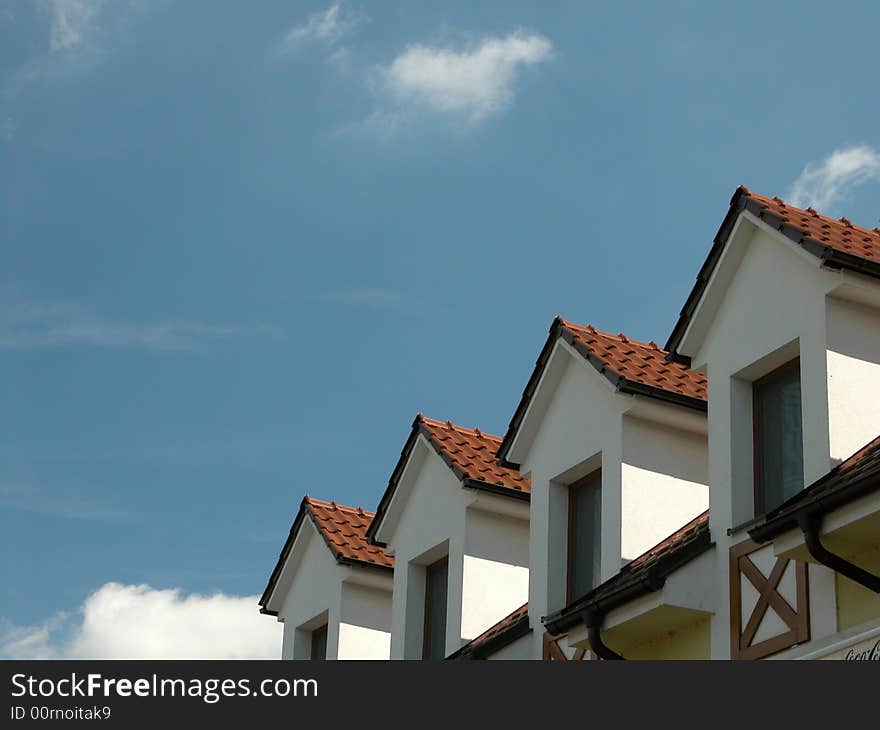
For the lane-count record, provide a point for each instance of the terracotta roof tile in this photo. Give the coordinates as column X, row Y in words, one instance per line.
column 837, row 243
column 840, row 234
column 345, row 531
column 641, row 362
column 507, row 630
column 472, row 454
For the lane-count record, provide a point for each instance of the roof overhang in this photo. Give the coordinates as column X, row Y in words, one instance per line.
column 288, row 560
column 624, row 598
column 416, row 449
column 743, row 217
column 556, row 355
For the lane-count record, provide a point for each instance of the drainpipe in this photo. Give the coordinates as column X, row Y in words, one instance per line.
column 593, row 621
column 810, row 525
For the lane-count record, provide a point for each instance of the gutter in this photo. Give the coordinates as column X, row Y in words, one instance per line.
column 810, row 525
column 469, row 483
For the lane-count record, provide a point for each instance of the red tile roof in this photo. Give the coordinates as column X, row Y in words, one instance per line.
column 837, row 233
column 837, row 243
column 344, row 529
column 497, row 636
column 472, row 454
column 632, row 366
column 622, row 357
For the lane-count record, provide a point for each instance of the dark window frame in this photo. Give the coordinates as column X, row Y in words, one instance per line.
column 436, row 565
column 321, row 631
column 759, row 493
column 581, row 483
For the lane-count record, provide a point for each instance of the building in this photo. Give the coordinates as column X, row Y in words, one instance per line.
column 718, row 497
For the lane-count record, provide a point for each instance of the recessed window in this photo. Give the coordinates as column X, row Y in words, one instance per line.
column 584, row 535
column 436, row 580
column 319, row 643
column 778, row 446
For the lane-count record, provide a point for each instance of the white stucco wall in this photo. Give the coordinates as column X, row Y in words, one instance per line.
column 496, row 570
column 365, row 622
column 354, row 602
column 487, row 553
column 664, row 482
column 772, row 309
column 853, row 362
column 519, row 649
column 311, row 584
column 576, row 425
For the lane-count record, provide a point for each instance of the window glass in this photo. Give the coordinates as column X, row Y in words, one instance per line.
column 584, row 535
column 436, row 577
column 779, row 456
column 319, row 643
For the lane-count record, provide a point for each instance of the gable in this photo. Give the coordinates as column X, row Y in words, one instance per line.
column 308, row 579
column 826, row 243
column 426, row 504
column 571, row 399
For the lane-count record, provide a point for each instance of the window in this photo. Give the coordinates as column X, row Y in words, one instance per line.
column 778, row 449
column 319, row 643
column 584, row 535
column 436, row 578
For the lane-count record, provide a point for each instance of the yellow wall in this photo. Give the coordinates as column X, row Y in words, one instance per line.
column 689, row 642
column 855, row 603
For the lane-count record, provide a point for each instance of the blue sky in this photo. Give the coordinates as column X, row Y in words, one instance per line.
column 243, row 245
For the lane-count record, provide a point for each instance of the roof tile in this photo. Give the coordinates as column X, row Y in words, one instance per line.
column 345, row 531
column 473, row 453
column 840, row 234
column 641, row 362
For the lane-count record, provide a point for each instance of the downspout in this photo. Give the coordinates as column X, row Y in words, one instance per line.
column 810, row 525
column 593, row 621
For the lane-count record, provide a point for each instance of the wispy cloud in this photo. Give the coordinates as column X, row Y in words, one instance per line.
column 824, row 184
column 32, row 327
column 68, row 501
column 328, row 28
column 170, row 625
column 471, row 83
column 72, row 22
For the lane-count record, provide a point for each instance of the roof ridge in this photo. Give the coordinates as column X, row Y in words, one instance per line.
column 620, row 337
column 449, row 425
column 810, row 211
column 333, row 504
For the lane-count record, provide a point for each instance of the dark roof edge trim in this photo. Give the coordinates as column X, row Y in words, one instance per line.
column 830, row 257
column 600, row 601
column 483, row 649
column 813, row 506
column 634, row 388
column 469, row 483
column 282, row 558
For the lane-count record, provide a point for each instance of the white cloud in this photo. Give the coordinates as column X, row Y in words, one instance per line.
column 139, row 622
column 31, row 327
column 71, row 22
column 824, row 184
column 328, row 27
column 472, row 83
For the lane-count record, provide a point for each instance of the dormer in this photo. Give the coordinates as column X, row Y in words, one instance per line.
column 457, row 523
column 330, row 588
column 785, row 321
column 613, row 438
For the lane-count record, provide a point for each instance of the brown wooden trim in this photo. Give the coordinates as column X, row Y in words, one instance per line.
column 569, row 563
column 757, row 485
column 551, row 651
column 436, row 565
column 796, row 618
